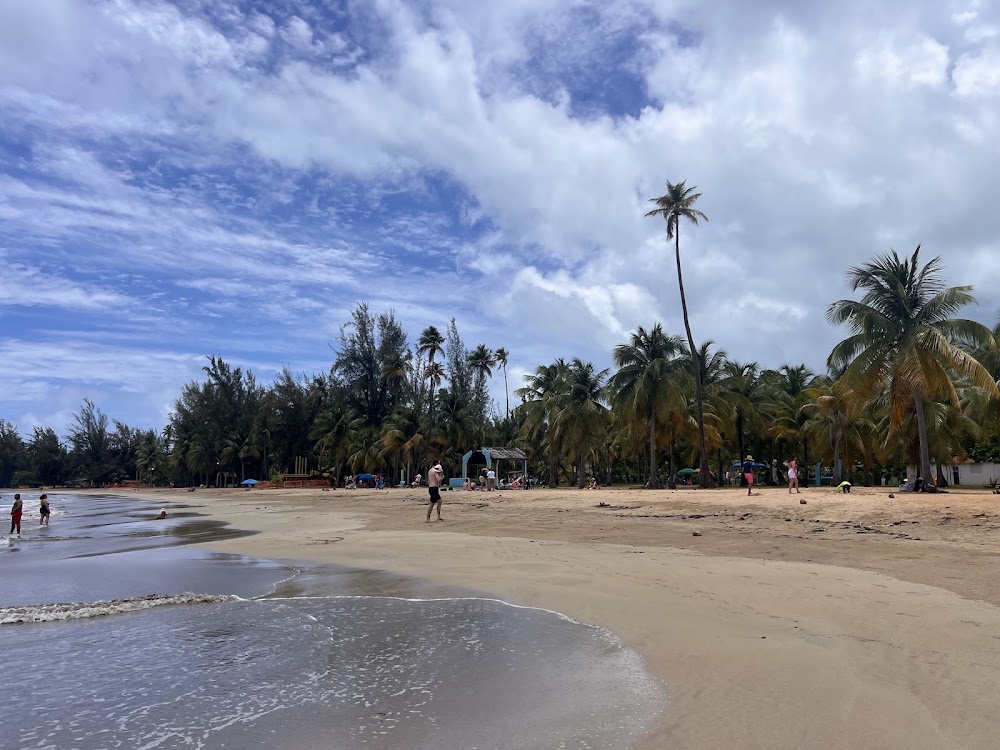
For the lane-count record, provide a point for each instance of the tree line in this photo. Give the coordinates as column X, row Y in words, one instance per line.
column 909, row 384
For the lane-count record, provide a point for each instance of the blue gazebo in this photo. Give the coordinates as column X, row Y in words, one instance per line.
column 493, row 456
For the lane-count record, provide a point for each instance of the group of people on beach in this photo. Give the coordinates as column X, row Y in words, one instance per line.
column 793, row 474
column 16, row 511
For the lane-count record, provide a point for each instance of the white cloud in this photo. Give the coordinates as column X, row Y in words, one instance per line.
column 819, row 134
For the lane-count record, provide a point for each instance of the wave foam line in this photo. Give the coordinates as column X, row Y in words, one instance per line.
column 85, row 610
column 567, row 618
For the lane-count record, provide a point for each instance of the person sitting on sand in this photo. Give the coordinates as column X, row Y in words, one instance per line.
column 593, row 484
column 417, row 480
column 43, row 510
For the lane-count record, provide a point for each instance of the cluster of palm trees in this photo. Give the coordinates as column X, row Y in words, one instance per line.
column 909, row 384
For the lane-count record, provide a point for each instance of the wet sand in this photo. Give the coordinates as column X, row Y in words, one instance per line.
column 852, row 621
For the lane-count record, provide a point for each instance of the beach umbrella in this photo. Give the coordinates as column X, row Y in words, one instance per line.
column 249, row 481
column 688, row 471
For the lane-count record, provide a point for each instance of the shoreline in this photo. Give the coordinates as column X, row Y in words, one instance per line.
column 764, row 632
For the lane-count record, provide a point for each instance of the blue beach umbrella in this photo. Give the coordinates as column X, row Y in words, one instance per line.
column 249, row 481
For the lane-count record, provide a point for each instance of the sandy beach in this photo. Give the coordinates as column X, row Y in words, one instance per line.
column 854, row 621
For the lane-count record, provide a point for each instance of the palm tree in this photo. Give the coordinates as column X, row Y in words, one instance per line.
column 481, row 361
column 543, row 393
column 581, row 421
column 500, row 356
column 645, row 385
column 833, row 416
column 739, row 388
column 902, row 337
column 430, row 343
column 711, row 366
column 402, row 437
column 435, row 375
column 331, row 433
column 676, row 204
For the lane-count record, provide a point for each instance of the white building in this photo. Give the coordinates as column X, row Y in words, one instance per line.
column 968, row 474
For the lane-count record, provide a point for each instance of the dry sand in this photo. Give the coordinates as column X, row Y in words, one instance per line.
column 855, row 621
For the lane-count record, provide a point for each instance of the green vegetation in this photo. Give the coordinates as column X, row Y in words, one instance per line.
column 910, row 384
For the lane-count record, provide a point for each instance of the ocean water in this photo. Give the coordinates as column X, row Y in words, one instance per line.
column 115, row 634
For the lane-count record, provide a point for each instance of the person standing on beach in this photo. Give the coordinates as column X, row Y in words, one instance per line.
column 793, row 475
column 491, row 480
column 748, row 473
column 43, row 510
column 15, row 515
column 434, row 478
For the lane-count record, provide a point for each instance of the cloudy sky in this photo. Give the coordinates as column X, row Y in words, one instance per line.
column 218, row 177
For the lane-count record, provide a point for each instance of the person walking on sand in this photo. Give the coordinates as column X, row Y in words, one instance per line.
column 434, row 478
column 793, row 475
column 15, row 515
column 748, row 473
column 43, row 510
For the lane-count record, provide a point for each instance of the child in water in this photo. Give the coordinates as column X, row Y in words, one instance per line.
column 15, row 515
column 43, row 510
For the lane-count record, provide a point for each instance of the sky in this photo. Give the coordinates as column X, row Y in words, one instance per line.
column 180, row 179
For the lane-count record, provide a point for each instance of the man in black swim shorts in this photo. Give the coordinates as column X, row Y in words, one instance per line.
column 434, row 478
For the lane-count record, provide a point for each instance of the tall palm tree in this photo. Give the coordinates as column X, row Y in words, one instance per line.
column 500, row 356
column 435, row 375
column 676, row 204
column 581, row 422
column 430, row 343
column 902, row 337
column 482, row 361
column 646, row 384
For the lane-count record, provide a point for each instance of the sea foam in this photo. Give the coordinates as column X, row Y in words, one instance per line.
column 85, row 610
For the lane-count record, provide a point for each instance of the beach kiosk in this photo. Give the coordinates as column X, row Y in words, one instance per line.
column 492, row 458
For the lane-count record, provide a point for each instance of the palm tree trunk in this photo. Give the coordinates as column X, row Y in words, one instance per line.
column 739, row 435
column 581, row 478
column 672, row 481
column 805, row 457
column 505, row 391
column 553, row 464
column 652, row 483
column 925, row 456
column 695, row 365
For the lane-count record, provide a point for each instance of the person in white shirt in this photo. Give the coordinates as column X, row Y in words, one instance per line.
column 491, row 480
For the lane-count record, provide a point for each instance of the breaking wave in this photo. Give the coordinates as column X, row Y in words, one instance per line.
column 85, row 610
